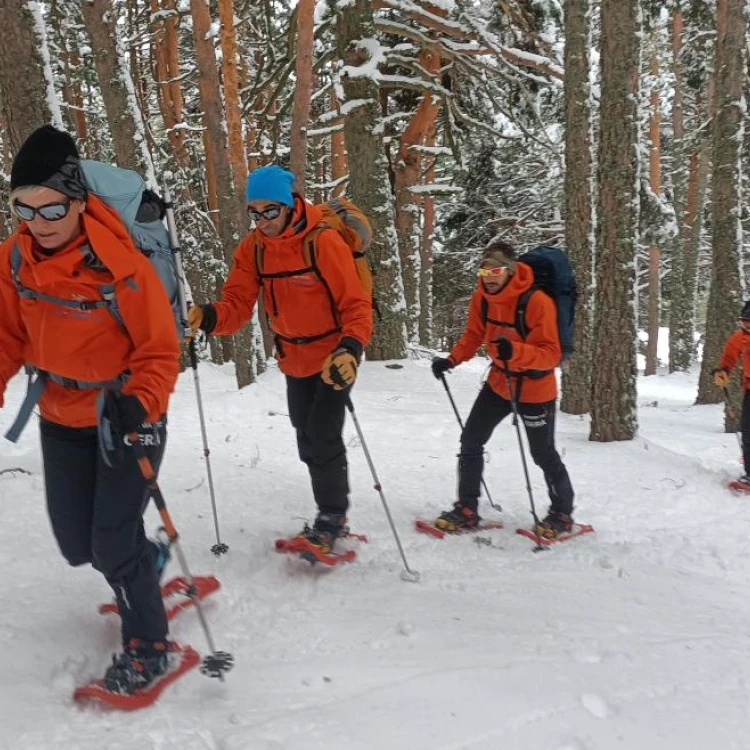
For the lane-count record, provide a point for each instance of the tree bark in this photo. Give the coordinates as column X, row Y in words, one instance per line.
column 369, row 186
column 302, row 93
column 24, row 90
column 654, row 257
column 724, row 296
column 613, row 407
column 125, row 124
column 576, row 377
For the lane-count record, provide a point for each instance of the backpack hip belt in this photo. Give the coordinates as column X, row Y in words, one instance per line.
column 38, row 382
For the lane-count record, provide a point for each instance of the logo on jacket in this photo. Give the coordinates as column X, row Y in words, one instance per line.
column 67, row 312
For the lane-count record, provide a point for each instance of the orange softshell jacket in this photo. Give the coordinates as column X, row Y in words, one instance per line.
column 88, row 345
column 298, row 306
column 737, row 346
column 540, row 350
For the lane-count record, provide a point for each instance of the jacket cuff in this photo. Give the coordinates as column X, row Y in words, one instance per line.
column 351, row 345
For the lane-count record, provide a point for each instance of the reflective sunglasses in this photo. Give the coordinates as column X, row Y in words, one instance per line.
column 49, row 212
column 496, row 271
column 269, row 214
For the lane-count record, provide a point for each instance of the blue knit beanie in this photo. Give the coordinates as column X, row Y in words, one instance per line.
column 270, row 184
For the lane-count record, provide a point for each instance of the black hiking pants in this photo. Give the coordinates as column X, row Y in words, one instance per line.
column 745, row 427
column 97, row 517
column 539, row 421
column 317, row 414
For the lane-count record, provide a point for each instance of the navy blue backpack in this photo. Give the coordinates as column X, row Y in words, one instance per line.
column 553, row 275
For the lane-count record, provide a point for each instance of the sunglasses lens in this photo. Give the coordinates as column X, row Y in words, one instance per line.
column 54, row 211
column 268, row 214
column 23, row 212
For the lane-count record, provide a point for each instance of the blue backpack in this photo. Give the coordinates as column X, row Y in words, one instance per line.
column 553, row 275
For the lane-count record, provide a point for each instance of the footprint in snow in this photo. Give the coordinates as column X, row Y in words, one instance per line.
column 595, row 705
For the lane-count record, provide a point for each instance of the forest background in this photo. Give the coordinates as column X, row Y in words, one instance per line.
column 613, row 128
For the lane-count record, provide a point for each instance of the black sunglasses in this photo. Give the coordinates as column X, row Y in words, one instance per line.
column 269, row 214
column 49, row 212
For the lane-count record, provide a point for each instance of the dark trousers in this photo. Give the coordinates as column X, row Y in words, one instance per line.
column 97, row 517
column 745, row 427
column 317, row 413
column 539, row 420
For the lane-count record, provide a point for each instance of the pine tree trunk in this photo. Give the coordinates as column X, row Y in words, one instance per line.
column 368, row 178
column 576, row 377
column 613, row 407
column 724, row 296
column 302, row 93
column 23, row 85
column 654, row 259
column 128, row 136
column 425, row 266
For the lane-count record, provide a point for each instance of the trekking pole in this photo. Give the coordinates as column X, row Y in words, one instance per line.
column 217, row 663
column 496, row 506
column 514, row 406
column 407, row 574
column 732, row 415
column 219, row 548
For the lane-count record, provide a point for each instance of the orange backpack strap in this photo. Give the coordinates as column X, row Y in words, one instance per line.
column 309, row 255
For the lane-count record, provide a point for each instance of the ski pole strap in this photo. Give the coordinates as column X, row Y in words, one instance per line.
column 37, row 382
column 34, row 389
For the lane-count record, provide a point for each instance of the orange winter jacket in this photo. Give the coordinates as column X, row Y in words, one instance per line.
column 737, row 346
column 540, row 351
column 87, row 345
column 298, row 304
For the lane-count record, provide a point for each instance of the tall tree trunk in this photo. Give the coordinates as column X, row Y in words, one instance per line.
column 576, row 377
column 428, row 236
column 369, row 186
column 302, row 93
column 123, row 116
column 407, row 174
column 26, row 95
column 654, row 259
column 613, row 402
column 724, row 296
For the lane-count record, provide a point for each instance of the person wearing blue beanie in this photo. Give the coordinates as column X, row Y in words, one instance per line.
column 321, row 318
column 270, row 183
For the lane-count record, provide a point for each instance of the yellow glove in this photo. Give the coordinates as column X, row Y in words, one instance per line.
column 195, row 318
column 340, row 370
column 721, row 378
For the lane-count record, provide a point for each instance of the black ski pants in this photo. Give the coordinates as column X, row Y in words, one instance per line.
column 317, row 413
column 745, row 427
column 97, row 517
column 539, row 421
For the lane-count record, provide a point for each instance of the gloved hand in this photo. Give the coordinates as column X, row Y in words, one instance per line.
column 504, row 348
column 441, row 365
column 721, row 378
column 340, row 367
column 128, row 412
column 202, row 318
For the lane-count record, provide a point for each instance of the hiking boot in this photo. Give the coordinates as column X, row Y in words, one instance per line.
column 140, row 663
column 328, row 527
column 458, row 518
column 554, row 524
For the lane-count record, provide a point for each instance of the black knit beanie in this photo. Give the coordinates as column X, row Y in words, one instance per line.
column 49, row 158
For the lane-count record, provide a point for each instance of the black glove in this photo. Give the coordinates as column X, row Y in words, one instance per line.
column 208, row 323
column 504, row 348
column 441, row 365
column 129, row 413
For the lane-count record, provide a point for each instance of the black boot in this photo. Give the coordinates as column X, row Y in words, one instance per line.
column 137, row 666
column 459, row 517
column 328, row 527
column 554, row 524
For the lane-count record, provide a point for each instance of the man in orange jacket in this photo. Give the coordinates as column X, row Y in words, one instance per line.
column 737, row 348
column 321, row 318
column 68, row 248
column 531, row 363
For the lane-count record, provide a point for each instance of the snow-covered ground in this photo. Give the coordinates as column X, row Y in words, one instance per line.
column 635, row 637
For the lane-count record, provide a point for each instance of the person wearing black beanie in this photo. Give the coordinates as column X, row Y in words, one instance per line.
column 48, row 191
column 737, row 348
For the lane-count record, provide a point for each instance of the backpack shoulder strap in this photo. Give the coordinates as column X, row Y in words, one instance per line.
column 310, row 256
column 521, row 305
